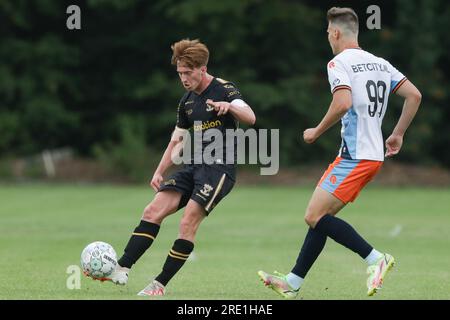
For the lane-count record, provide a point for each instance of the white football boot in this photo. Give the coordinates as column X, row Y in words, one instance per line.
column 155, row 288
column 119, row 275
column 377, row 272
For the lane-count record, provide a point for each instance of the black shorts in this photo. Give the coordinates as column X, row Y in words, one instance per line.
column 205, row 184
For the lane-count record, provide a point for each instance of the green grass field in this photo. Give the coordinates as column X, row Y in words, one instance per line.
column 43, row 229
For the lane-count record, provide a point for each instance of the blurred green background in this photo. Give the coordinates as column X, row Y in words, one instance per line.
column 107, row 94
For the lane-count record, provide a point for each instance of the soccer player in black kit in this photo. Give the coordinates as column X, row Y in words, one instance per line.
column 211, row 103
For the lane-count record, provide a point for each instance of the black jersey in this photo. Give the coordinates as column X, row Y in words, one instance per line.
column 193, row 108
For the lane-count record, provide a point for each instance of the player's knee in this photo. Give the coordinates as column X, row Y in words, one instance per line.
column 311, row 219
column 314, row 213
column 309, row 216
column 153, row 212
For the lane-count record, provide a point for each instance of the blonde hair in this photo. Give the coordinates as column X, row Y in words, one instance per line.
column 192, row 53
column 345, row 18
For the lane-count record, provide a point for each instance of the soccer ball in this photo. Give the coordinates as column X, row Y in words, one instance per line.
column 98, row 260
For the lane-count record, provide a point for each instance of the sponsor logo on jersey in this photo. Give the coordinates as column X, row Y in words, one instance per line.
column 336, row 82
column 232, row 93
column 208, row 125
column 371, row 66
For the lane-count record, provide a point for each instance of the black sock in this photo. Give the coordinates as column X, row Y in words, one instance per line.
column 141, row 239
column 175, row 260
column 343, row 233
column 312, row 247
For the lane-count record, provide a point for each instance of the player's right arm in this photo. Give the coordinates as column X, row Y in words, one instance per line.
column 173, row 148
column 166, row 162
column 412, row 97
column 340, row 87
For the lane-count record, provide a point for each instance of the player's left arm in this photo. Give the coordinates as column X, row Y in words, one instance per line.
column 233, row 104
column 341, row 103
column 240, row 110
column 413, row 98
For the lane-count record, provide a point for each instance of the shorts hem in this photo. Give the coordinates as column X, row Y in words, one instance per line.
column 345, row 201
column 172, row 188
column 200, row 201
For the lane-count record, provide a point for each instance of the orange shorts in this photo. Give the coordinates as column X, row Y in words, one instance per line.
column 345, row 178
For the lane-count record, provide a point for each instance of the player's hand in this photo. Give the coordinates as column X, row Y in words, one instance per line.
column 393, row 145
column 221, row 107
column 310, row 135
column 156, row 181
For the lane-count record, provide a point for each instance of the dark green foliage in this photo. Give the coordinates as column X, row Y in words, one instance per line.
column 61, row 87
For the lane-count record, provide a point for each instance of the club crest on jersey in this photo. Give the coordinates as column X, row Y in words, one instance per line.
column 331, row 65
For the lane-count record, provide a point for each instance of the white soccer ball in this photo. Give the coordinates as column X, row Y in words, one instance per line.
column 98, row 260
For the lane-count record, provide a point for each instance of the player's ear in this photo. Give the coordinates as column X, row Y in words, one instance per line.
column 203, row 69
column 336, row 33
